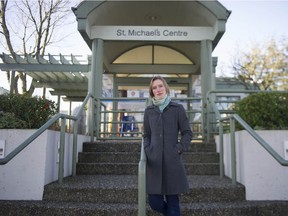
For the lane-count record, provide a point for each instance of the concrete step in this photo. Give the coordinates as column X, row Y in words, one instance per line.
column 122, row 157
column 135, row 146
column 124, row 189
column 128, row 157
column 132, row 168
column 106, row 184
column 48, row 208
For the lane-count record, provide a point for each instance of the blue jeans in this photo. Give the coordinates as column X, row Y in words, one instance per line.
column 168, row 207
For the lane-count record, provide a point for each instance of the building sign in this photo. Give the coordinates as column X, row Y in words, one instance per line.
column 162, row 33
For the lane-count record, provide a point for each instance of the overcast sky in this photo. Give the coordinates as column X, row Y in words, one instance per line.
column 250, row 22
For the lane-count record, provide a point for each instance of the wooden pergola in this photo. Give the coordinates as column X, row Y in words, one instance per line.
column 67, row 75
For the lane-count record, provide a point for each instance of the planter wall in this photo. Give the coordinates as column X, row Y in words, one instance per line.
column 263, row 177
column 24, row 177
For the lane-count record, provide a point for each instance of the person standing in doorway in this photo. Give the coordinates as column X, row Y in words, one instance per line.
column 165, row 174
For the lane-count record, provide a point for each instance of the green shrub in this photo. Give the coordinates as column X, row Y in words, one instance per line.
column 34, row 111
column 267, row 111
column 9, row 121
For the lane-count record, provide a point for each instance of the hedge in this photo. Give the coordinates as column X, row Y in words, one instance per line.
column 264, row 110
column 21, row 111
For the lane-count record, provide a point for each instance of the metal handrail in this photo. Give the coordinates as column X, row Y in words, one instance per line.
column 214, row 107
column 114, row 134
column 258, row 138
column 211, row 121
column 37, row 133
column 261, row 141
column 231, row 118
column 142, row 182
column 43, row 128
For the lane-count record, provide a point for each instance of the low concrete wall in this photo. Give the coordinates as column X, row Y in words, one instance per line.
column 24, row 177
column 263, row 177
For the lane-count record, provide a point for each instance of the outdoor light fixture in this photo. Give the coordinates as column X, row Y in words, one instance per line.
column 152, row 17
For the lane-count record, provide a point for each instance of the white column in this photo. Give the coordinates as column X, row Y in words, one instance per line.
column 115, row 104
column 213, row 97
column 96, row 75
column 206, row 79
column 95, row 80
column 213, row 80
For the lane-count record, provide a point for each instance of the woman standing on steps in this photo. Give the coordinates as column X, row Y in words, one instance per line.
column 165, row 173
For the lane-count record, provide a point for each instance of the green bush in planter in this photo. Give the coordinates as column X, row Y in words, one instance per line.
column 29, row 112
column 9, row 121
column 267, row 111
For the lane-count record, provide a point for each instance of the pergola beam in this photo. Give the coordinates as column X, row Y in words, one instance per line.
column 44, row 67
column 61, row 85
column 71, row 93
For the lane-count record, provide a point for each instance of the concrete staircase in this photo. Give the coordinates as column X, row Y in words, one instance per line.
column 106, row 184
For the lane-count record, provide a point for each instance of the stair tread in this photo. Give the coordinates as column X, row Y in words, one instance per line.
column 84, row 205
column 128, row 153
column 110, row 194
column 131, row 182
column 126, row 146
column 136, row 163
column 48, row 208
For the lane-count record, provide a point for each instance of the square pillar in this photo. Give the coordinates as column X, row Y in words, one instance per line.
column 95, row 83
column 206, row 80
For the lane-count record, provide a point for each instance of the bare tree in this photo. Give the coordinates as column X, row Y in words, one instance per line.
column 31, row 28
column 264, row 67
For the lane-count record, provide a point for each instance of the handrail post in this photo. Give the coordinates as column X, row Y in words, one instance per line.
column 74, row 153
column 208, row 128
column 142, row 183
column 221, row 149
column 61, row 151
column 91, row 118
column 98, row 117
column 233, row 150
column 105, row 120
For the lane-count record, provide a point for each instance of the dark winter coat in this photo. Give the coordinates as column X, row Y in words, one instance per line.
column 165, row 173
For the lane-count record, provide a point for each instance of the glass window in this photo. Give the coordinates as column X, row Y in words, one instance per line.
column 151, row 54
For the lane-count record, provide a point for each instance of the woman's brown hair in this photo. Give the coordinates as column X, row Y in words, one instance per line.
column 164, row 83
